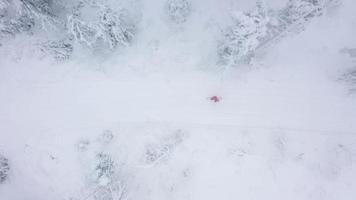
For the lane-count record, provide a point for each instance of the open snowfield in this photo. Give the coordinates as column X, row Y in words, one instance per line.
column 140, row 124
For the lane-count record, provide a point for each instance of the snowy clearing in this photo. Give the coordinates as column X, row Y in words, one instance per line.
column 161, row 118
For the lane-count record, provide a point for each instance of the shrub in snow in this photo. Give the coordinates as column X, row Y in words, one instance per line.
column 104, row 177
column 93, row 23
column 106, row 182
column 4, row 168
column 104, row 168
column 178, row 10
column 157, row 152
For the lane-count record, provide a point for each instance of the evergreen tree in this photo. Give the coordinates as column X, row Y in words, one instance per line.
column 253, row 32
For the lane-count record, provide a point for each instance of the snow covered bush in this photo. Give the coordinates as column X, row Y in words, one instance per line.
column 105, row 183
column 157, row 152
column 4, row 168
column 104, row 168
column 178, row 10
column 92, row 23
column 104, row 177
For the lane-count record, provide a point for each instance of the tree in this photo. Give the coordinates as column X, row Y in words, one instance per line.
column 112, row 28
column 90, row 23
column 252, row 32
column 242, row 36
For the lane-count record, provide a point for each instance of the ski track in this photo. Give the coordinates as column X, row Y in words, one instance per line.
column 254, row 139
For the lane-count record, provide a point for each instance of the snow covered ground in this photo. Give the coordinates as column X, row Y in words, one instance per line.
column 141, row 125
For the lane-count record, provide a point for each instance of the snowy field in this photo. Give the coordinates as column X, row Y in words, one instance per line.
column 138, row 122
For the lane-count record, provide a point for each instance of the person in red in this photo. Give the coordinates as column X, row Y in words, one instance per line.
column 216, row 99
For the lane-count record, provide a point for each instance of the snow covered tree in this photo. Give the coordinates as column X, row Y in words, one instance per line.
column 41, row 11
column 93, row 23
column 30, row 16
column 243, row 36
column 22, row 15
column 293, row 19
column 253, row 32
column 13, row 22
column 298, row 12
column 178, row 10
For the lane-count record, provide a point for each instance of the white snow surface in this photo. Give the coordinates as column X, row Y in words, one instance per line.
column 285, row 127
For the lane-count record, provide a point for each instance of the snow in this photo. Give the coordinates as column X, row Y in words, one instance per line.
column 141, row 125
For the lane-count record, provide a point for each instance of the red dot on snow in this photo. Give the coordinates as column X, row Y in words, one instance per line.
column 215, row 99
